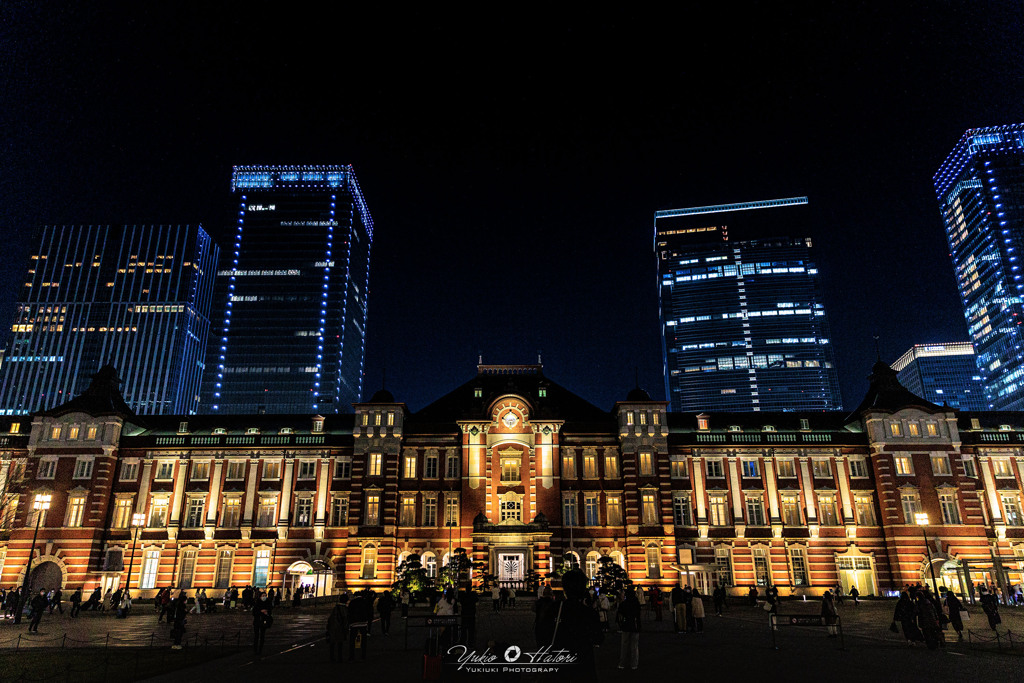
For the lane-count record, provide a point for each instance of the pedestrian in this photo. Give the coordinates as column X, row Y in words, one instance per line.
column 752, row 596
column 165, row 606
column 697, row 610
column 55, row 601
column 541, row 608
column 385, row 605
column 95, row 598
column 38, row 606
column 512, row 597
column 125, row 606
column 76, row 602
column 956, row 611
column 629, row 624
column 928, row 620
column 297, row 599
column 467, row 603
column 855, row 594
column 261, row 620
column 337, row 629
column 360, row 611
column 906, row 615
column 718, row 595
column 829, row 614
column 178, row 614
column 604, row 607
column 496, row 597
column 247, row 596
column 990, row 605
column 405, row 598
column 658, row 600
column 570, row 625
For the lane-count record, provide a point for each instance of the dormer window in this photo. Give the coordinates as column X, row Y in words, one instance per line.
column 183, row 427
column 318, row 425
column 90, row 433
column 252, row 430
column 735, row 428
column 542, row 392
column 703, row 422
column 55, row 433
column 15, row 427
column 768, row 428
column 220, row 430
column 478, row 392
column 287, row 430
column 1005, row 428
column 805, row 423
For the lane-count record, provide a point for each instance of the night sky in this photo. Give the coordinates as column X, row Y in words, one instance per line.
column 513, row 157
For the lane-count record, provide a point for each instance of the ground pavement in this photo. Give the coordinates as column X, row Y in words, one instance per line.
column 738, row 643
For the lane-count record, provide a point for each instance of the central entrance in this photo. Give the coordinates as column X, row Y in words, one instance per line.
column 510, row 567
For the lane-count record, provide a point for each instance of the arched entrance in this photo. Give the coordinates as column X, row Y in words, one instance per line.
column 46, row 575
column 856, row 568
column 949, row 573
column 312, row 578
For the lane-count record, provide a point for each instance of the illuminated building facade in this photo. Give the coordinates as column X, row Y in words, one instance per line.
column 291, row 298
column 980, row 188
column 138, row 296
column 742, row 312
column 943, row 373
column 522, row 473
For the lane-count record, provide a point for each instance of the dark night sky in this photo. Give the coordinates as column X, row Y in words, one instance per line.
column 513, row 158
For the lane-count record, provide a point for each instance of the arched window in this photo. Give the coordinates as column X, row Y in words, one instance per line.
column 430, row 563
column 592, row 558
column 444, row 560
column 369, row 561
column 618, row 558
column 403, row 557
column 573, row 558
column 653, row 561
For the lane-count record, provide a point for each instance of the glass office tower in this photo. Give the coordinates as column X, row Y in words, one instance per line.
column 136, row 297
column 943, row 374
column 980, row 188
column 743, row 322
column 291, row 298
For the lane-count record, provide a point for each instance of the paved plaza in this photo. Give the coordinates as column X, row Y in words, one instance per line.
column 737, row 644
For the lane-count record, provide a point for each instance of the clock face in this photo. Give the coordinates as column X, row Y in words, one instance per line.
column 510, row 420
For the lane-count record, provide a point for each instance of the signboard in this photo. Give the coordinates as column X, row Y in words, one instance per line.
column 445, row 620
column 686, row 556
column 805, row 621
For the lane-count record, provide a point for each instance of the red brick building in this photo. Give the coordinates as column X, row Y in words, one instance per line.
column 521, row 472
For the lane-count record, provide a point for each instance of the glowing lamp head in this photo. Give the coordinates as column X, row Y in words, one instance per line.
column 42, row 501
column 921, row 518
column 138, row 519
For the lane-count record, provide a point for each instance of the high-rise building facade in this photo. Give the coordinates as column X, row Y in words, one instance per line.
column 945, row 374
column 291, row 298
column 980, row 188
column 135, row 296
column 743, row 320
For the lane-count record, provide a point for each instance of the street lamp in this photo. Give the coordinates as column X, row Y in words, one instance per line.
column 922, row 521
column 138, row 521
column 454, row 577
column 41, row 504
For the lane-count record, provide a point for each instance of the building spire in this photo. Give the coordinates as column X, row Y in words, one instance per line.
column 878, row 352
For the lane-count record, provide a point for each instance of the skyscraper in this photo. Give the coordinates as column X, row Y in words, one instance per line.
column 743, row 322
column 291, row 299
column 943, row 374
column 980, row 188
column 134, row 296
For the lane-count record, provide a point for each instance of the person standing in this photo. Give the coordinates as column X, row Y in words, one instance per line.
column 829, row 614
column 679, row 609
column 177, row 617
column 697, row 610
column 629, row 626
column 496, row 597
column 512, row 597
column 928, row 619
column 718, row 595
column 541, row 608
column 570, row 625
column 261, row 620
column 337, row 629
column 405, row 597
column 385, row 605
column 906, row 614
column 604, row 607
column 38, row 606
column 360, row 611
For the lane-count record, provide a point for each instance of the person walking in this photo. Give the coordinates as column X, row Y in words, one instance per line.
column 512, row 597
column 177, row 617
column 337, row 629
column 990, row 605
column 906, row 615
column 956, row 620
column 261, row 620
column 38, row 607
column 629, row 626
column 658, row 601
column 360, row 611
column 697, row 610
column 718, row 595
column 76, row 603
column 829, row 614
column 928, row 619
column 55, row 601
column 855, row 594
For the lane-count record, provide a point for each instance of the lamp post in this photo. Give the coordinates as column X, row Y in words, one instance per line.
column 451, row 524
column 138, row 521
column 40, row 504
column 922, row 520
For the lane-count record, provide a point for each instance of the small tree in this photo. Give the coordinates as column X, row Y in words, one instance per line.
column 611, row 577
column 459, row 564
column 11, row 488
column 412, row 576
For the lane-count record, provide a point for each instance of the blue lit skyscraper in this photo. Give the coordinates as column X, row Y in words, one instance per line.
column 743, row 322
column 980, row 188
column 291, row 297
column 136, row 297
column 943, row 374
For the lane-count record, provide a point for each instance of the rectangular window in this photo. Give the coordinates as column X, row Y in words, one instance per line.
column 339, row 511
column 164, row 470
column 940, row 465
column 113, row 560
column 187, row 569
column 970, row 469
column 409, row 467
column 591, row 516
column 83, row 468
column 913, row 429
column 391, row 419
column 827, row 510
column 1011, row 509
column 129, row 471
column 569, row 517
column 343, row 468
column 646, row 463
column 200, row 470
column 568, row 466
column 822, row 468
column 749, row 468
column 614, row 507
column 430, row 465
column 150, row 567
column 723, row 566
column 786, row 467
column 47, row 468
column 451, row 470
column 73, row 433
column 451, row 509
column 307, row 469
column 260, row 568
column 762, row 573
column 950, row 510
column 55, row 433
column 589, row 465
column 677, row 469
column 653, row 561
column 649, row 508
column 681, row 509
column 223, row 576
column 629, row 418
column 231, row 514
column 430, row 511
column 407, row 511
column 266, row 515
column 510, row 509
column 1001, row 467
column 90, row 433
column 303, row 511
column 715, row 470
column 375, row 468
column 372, row 517
column 611, row 466
column 122, row 513
column 904, row 465
column 798, row 563
column 895, row 429
column 791, row 510
column 76, row 511
column 755, row 511
column 194, row 512
column 911, row 506
column 272, row 469
column 932, row 429
column 717, row 510
column 865, row 508
column 158, row 513
column 858, row 467
column 235, row 470
column 510, row 471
